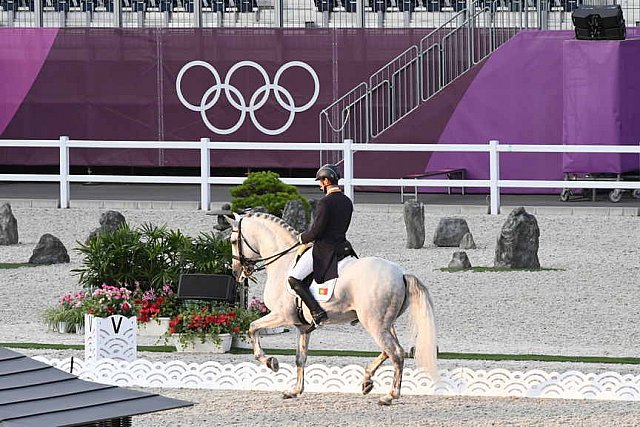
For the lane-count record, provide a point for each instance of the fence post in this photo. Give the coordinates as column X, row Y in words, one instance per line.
column 348, row 168
column 494, row 176
column 64, row 172
column 205, row 166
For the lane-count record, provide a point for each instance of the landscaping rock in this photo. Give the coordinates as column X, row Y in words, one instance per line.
column 223, row 213
column 295, row 215
column 8, row 226
column 414, row 223
column 450, row 231
column 518, row 241
column 467, row 242
column 459, row 261
column 49, row 250
column 109, row 221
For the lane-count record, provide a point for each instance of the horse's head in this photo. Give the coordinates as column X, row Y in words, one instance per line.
column 243, row 254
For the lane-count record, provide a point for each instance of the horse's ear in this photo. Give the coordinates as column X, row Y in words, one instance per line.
column 236, row 216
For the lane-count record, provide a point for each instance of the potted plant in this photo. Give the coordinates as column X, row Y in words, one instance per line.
column 204, row 328
column 155, row 309
column 67, row 315
column 110, row 324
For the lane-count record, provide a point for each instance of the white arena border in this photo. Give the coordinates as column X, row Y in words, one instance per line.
column 319, row 378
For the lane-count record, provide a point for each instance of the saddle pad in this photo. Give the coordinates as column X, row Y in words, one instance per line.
column 324, row 291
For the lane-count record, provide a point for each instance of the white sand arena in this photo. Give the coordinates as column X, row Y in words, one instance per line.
column 587, row 305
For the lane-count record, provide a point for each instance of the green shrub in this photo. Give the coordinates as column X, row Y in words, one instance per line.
column 149, row 257
column 265, row 189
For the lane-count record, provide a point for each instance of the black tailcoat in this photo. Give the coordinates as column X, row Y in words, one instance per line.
column 328, row 234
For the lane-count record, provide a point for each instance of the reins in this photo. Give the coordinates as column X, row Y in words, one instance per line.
column 250, row 265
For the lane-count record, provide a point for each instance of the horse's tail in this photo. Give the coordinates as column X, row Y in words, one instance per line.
column 423, row 325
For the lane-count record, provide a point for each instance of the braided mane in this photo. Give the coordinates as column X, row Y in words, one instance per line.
column 274, row 219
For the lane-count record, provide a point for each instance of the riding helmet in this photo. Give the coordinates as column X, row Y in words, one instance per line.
column 330, row 172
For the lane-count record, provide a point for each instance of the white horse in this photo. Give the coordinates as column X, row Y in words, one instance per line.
column 372, row 290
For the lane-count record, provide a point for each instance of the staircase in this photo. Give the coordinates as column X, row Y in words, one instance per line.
column 415, row 76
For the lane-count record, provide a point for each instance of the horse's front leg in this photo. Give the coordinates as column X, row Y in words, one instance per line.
column 301, row 360
column 271, row 320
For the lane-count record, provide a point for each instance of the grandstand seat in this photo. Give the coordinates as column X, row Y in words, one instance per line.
column 459, row 5
column 379, row 5
column 88, row 6
column 570, row 5
column 328, row 5
column 9, row 5
column 61, row 5
column 406, row 5
column 350, row 5
column 245, row 5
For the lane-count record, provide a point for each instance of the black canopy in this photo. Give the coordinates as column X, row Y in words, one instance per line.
column 33, row 393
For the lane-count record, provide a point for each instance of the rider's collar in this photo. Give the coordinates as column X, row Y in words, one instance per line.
column 333, row 190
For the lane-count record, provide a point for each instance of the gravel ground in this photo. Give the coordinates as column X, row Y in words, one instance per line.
column 586, row 303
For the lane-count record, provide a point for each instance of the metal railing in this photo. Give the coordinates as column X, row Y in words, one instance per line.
column 542, row 14
column 415, row 76
column 495, row 183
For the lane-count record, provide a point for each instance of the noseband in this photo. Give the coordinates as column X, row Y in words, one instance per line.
column 250, row 265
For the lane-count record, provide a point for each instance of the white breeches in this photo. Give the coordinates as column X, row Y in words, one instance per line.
column 303, row 267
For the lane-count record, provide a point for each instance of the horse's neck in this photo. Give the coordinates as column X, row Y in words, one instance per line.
column 271, row 241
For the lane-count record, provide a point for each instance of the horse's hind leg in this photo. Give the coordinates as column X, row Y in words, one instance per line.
column 367, row 383
column 369, row 372
column 390, row 345
column 301, row 360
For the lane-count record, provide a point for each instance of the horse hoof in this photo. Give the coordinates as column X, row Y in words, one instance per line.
column 367, row 386
column 384, row 401
column 289, row 395
column 272, row 363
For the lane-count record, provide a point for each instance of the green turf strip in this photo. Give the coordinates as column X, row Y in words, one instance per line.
column 8, row 265
column 369, row 354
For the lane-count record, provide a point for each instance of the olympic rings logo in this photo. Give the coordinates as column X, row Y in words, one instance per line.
column 258, row 98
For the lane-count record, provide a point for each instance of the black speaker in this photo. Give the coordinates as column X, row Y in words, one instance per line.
column 208, row 287
column 599, row 22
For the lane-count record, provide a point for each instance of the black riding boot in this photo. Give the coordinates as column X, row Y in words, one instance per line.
column 318, row 314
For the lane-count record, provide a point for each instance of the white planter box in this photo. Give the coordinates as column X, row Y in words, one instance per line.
column 155, row 327
column 112, row 337
column 203, row 347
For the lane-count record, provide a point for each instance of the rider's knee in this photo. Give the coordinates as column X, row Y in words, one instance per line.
column 294, row 283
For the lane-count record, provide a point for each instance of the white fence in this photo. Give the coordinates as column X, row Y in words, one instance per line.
column 494, row 148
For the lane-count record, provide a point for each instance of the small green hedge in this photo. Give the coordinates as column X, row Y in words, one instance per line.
column 265, row 189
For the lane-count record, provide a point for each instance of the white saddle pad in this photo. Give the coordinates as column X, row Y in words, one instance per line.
column 323, row 292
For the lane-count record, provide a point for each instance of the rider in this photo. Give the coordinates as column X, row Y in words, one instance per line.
column 328, row 234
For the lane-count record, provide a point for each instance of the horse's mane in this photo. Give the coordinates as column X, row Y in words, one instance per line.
column 274, row 219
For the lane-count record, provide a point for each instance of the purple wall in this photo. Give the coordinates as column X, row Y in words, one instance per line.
column 120, row 84
column 601, row 93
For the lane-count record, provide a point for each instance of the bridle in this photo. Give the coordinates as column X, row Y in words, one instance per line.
column 250, row 265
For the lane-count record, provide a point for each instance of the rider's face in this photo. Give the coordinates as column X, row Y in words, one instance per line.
column 324, row 182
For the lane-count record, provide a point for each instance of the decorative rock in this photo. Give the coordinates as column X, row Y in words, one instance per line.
column 459, row 261
column 414, row 223
column 109, row 221
column 518, row 241
column 49, row 250
column 450, row 231
column 295, row 215
column 8, row 226
column 222, row 223
column 467, row 242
